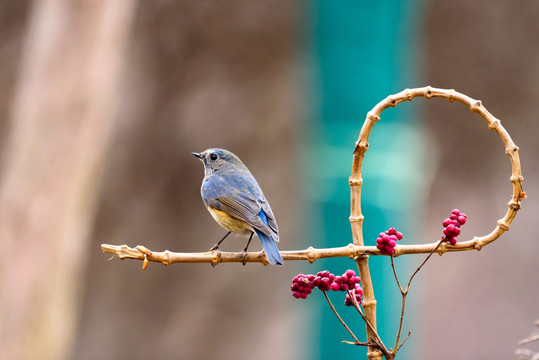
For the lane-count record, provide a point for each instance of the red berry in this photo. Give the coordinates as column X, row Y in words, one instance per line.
column 357, row 294
column 452, row 226
column 387, row 241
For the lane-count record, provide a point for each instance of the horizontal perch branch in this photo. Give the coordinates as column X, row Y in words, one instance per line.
column 310, row 254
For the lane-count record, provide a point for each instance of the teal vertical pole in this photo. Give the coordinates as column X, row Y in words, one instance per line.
column 362, row 51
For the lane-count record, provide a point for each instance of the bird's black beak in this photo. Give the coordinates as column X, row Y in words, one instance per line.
column 198, row 155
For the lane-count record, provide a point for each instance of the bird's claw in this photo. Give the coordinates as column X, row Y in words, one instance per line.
column 243, row 256
column 217, row 258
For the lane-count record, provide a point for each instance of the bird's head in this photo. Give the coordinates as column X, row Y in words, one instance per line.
column 215, row 159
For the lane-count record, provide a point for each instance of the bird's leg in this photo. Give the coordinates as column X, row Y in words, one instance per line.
column 245, row 250
column 216, row 246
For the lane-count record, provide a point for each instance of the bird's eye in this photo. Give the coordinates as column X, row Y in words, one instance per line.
column 213, row 156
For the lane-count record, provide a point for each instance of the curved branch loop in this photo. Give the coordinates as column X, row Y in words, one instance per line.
column 356, row 217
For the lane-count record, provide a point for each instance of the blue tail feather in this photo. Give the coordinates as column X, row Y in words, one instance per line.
column 270, row 247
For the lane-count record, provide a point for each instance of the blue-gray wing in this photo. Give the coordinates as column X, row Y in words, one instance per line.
column 272, row 223
column 237, row 202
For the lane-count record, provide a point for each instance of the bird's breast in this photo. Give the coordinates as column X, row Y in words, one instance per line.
column 230, row 223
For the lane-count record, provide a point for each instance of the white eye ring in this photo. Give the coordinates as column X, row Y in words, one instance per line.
column 213, row 156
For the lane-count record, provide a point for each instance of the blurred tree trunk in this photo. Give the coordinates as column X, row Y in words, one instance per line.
column 61, row 120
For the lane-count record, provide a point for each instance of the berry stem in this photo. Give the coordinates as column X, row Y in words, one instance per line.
column 423, row 263
column 404, row 293
column 379, row 343
column 395, row 274
column 332, row 307
column 403, row 341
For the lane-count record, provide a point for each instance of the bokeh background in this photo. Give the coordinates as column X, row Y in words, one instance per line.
column 102, row 102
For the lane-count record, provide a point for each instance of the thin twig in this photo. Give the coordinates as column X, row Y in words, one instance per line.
column 380, row 343
column 360, row 343
column 401, row 321
column 404, row 293
column 423, row 263
column 528, row 340
column 332, row 307
column 403, row 341
column 395, row 274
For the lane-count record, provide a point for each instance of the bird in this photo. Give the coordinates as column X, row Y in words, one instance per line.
column 236, row 201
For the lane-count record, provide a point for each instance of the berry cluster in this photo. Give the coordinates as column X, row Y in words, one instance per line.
column 357, row 293
column 346, row 281
column 452, row 226
column 387, row 240
column 302, row 285
column 324, row 280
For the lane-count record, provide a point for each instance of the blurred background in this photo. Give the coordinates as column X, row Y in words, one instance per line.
column 102, row 102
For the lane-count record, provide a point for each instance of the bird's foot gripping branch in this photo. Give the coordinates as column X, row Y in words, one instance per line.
column 237, row 211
